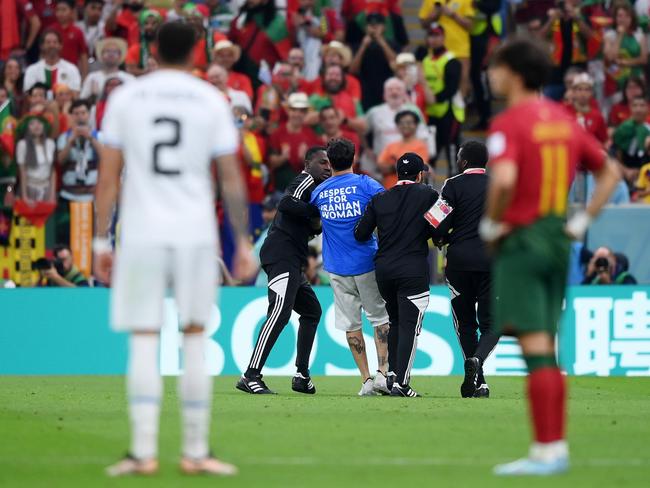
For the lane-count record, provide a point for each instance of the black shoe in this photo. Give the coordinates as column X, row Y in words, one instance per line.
column 403, row 391
column 482, row 391
column 254, row 386
column 468, row 388
column 302, row 384
column 390, row 380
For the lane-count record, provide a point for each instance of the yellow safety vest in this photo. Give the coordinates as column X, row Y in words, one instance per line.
column 434, row 73
column 481, row 23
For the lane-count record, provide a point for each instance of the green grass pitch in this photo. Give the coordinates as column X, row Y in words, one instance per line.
column 62, row 431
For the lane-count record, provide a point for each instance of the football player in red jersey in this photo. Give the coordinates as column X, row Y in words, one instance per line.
column 535, row 148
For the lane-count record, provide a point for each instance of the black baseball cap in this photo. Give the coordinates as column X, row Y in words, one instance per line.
column 410, row 164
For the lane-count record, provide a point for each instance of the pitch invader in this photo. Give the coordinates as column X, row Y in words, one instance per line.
column 165, row 129
column 535, row 147
column 284, row 258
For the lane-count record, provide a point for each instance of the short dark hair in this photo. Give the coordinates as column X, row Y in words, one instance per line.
column 49, row 31
column 38, row 86
column 60, row 247
column 526, row 58
column 327, row 107
column 69, row 3
column 340, row 153
column 405, row 113
column 82, row 102
column 313, row 151
column 475, row 153
column 90, row 2
column 175, row 42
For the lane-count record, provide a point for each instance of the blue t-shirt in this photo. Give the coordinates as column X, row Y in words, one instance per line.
column 342, row 201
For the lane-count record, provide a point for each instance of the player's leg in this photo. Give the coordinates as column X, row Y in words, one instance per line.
column 388, row 291
column 413, row 299
column 137, row 305
column 284, row 281
column 347, row 306
column 489, row 338
column 463, row 309
column 195, row 282
column 375, row 307
column 309, row 309
column 529, row 279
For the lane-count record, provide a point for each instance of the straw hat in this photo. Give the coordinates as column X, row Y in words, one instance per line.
column 404, row 59
column 341, row 49
column 226, row 44
column 117, row 42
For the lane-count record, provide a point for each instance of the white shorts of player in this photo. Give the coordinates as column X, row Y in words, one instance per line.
column 351, row 293
column 142, row 276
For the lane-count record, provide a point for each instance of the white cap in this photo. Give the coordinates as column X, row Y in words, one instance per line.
column 405, row 58
column 298, row 100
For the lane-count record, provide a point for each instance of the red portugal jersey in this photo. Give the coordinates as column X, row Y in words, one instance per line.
column 592, row 121
column 546, row 144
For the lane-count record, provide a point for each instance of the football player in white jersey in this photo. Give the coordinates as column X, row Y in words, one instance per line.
column 165, row 128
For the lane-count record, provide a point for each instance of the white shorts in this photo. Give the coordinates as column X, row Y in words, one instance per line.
column 142, row 275
column 351, row 293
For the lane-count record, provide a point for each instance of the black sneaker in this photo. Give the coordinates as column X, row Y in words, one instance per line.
column 254, row 386
column 482, row 391
column 302, row 384
column 390, row 380
column 403, row 391
column 468, row 388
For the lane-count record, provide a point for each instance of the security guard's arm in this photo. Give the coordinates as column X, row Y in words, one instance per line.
column 366, row 224
column 297, row 208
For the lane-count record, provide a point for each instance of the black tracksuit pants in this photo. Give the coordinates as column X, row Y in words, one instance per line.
column 478, row 51
column 406, row 301
column 470, row 304
column 288, row 290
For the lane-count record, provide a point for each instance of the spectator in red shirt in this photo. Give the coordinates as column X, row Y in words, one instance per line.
column 138, row 55
column 634, row 87
column 337, row 54
column 74, row 49
column 331, row 123
column 11, row 23
column 586, row 114
column 289, row 143
column 226, row 54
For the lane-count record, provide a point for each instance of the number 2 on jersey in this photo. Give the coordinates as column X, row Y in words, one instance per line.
column 172, row 142
column 555, row 179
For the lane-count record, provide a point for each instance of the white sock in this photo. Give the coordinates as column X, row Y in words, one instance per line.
column 549, row 451
column 144, row 388
column 195, row 391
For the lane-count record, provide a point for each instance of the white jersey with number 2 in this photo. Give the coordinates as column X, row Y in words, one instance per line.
column 169, row 125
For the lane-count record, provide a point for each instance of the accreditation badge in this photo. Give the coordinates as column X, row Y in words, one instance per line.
column 438, row 212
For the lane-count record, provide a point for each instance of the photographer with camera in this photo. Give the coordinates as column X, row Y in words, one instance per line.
column 60, row 271
column 604, row 268
column 78, row 158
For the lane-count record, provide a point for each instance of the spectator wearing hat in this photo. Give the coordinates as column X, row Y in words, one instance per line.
column 35, row 158
column 587, row 115
column 51, row 68
column 289, row 143
column 218, row 76
column 74, row 49
column 336, row 53
column 261, row 33
column 407, row 123
column 226, row 54
column 93, row 28
column 37, row 103
column 442, row 72
column 335, row 94
column 111, row 53
column 455, row 17
column 197, row 15
column 310, row 26
column 381, row 126
column 139, row 54
column 372, row 61
column 410, row 72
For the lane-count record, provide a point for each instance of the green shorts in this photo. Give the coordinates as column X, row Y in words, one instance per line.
column 529, row 278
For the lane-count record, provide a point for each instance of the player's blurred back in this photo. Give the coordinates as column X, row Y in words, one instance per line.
column 170, row 125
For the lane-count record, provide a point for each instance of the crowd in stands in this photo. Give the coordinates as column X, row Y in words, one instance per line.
column 298, row 73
